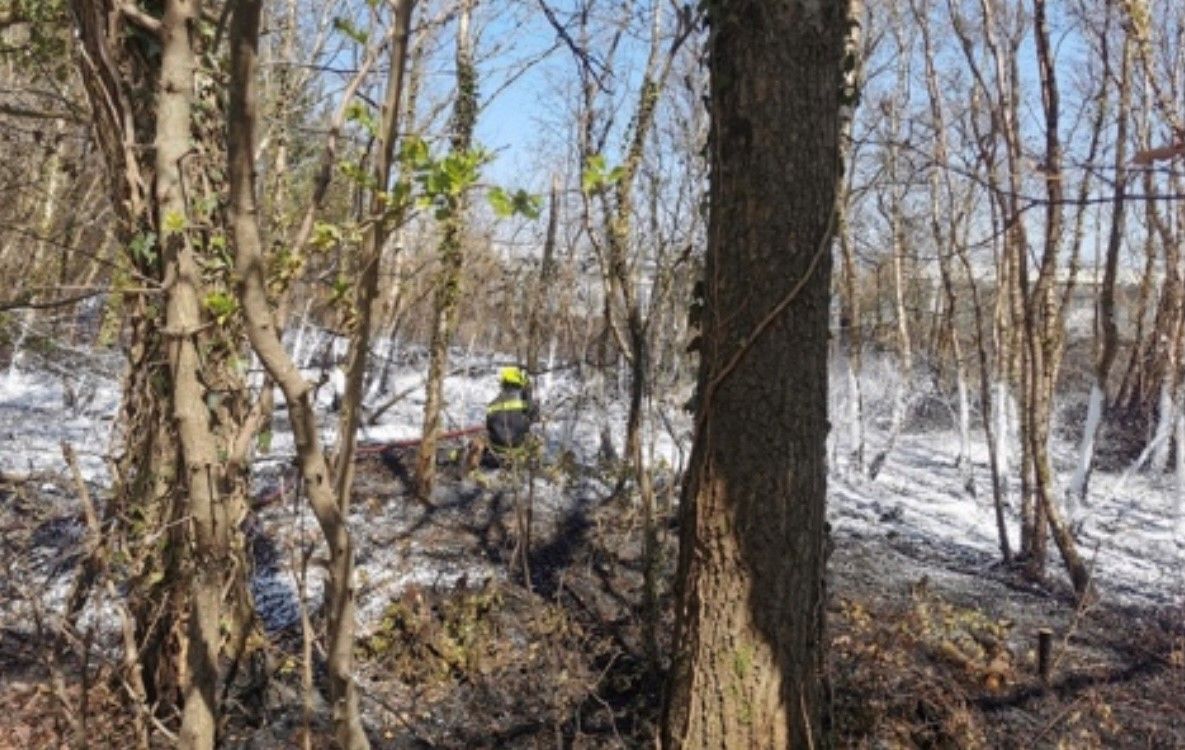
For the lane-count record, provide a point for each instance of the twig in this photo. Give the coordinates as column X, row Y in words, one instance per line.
column 394, row 712
column 132, row 679
column 160, row 727
column 14, row 110
column 301, row 573
column 1080, row 610
column 1055, row 721
column 587, row 61
column 51, row 659
column 605, row 704
column 84, row 496
column 92, row 565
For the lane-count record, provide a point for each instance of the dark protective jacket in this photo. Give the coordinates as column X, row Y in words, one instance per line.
column 509, row 417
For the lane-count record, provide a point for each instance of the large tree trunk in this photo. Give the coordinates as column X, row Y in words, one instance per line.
column 749, row 638
column 145, row 485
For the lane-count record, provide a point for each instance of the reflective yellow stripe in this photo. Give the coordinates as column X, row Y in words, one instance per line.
column 511, row 405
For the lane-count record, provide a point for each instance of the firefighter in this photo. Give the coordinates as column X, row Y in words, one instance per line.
column 509, row 416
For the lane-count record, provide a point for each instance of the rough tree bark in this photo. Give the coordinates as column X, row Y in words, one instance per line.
column 749, row 635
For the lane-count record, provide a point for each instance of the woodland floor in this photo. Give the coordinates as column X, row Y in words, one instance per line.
column 931, row 640
column 932, row 645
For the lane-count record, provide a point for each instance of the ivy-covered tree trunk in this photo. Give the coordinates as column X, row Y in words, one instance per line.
column 183, row 320
column 181, row 486
column 143, row 495
column 446, row 295
column 749, row 647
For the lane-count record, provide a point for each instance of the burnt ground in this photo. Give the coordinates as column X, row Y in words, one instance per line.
column 932, row 644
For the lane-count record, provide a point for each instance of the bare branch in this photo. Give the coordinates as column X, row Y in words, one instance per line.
column 138, row 16
column 15, row 110
column 1150, row 155
column 592, row 66
column 26, row 303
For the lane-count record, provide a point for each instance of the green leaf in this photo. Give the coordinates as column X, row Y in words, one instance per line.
column 357, row 174
column 361, row 114
column 528, row 205
column 414, row 151
column 220, row 305
column 502, row 204
column 340, row 288
column 325, row 235
column 174, row 222
column 347, row 27
column 143, row 248
column 399, row 194
column 206, row 206
column 520, row 202
column 437, row 182
column 595, row 178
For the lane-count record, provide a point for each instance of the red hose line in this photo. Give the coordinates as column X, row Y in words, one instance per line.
column 374, row 449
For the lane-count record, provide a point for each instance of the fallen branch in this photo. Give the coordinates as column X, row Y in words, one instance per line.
column 92, row 565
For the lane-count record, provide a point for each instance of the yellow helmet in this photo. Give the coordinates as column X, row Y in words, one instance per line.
column 513, row 376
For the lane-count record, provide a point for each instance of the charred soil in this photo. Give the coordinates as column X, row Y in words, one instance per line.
column 931, row 646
